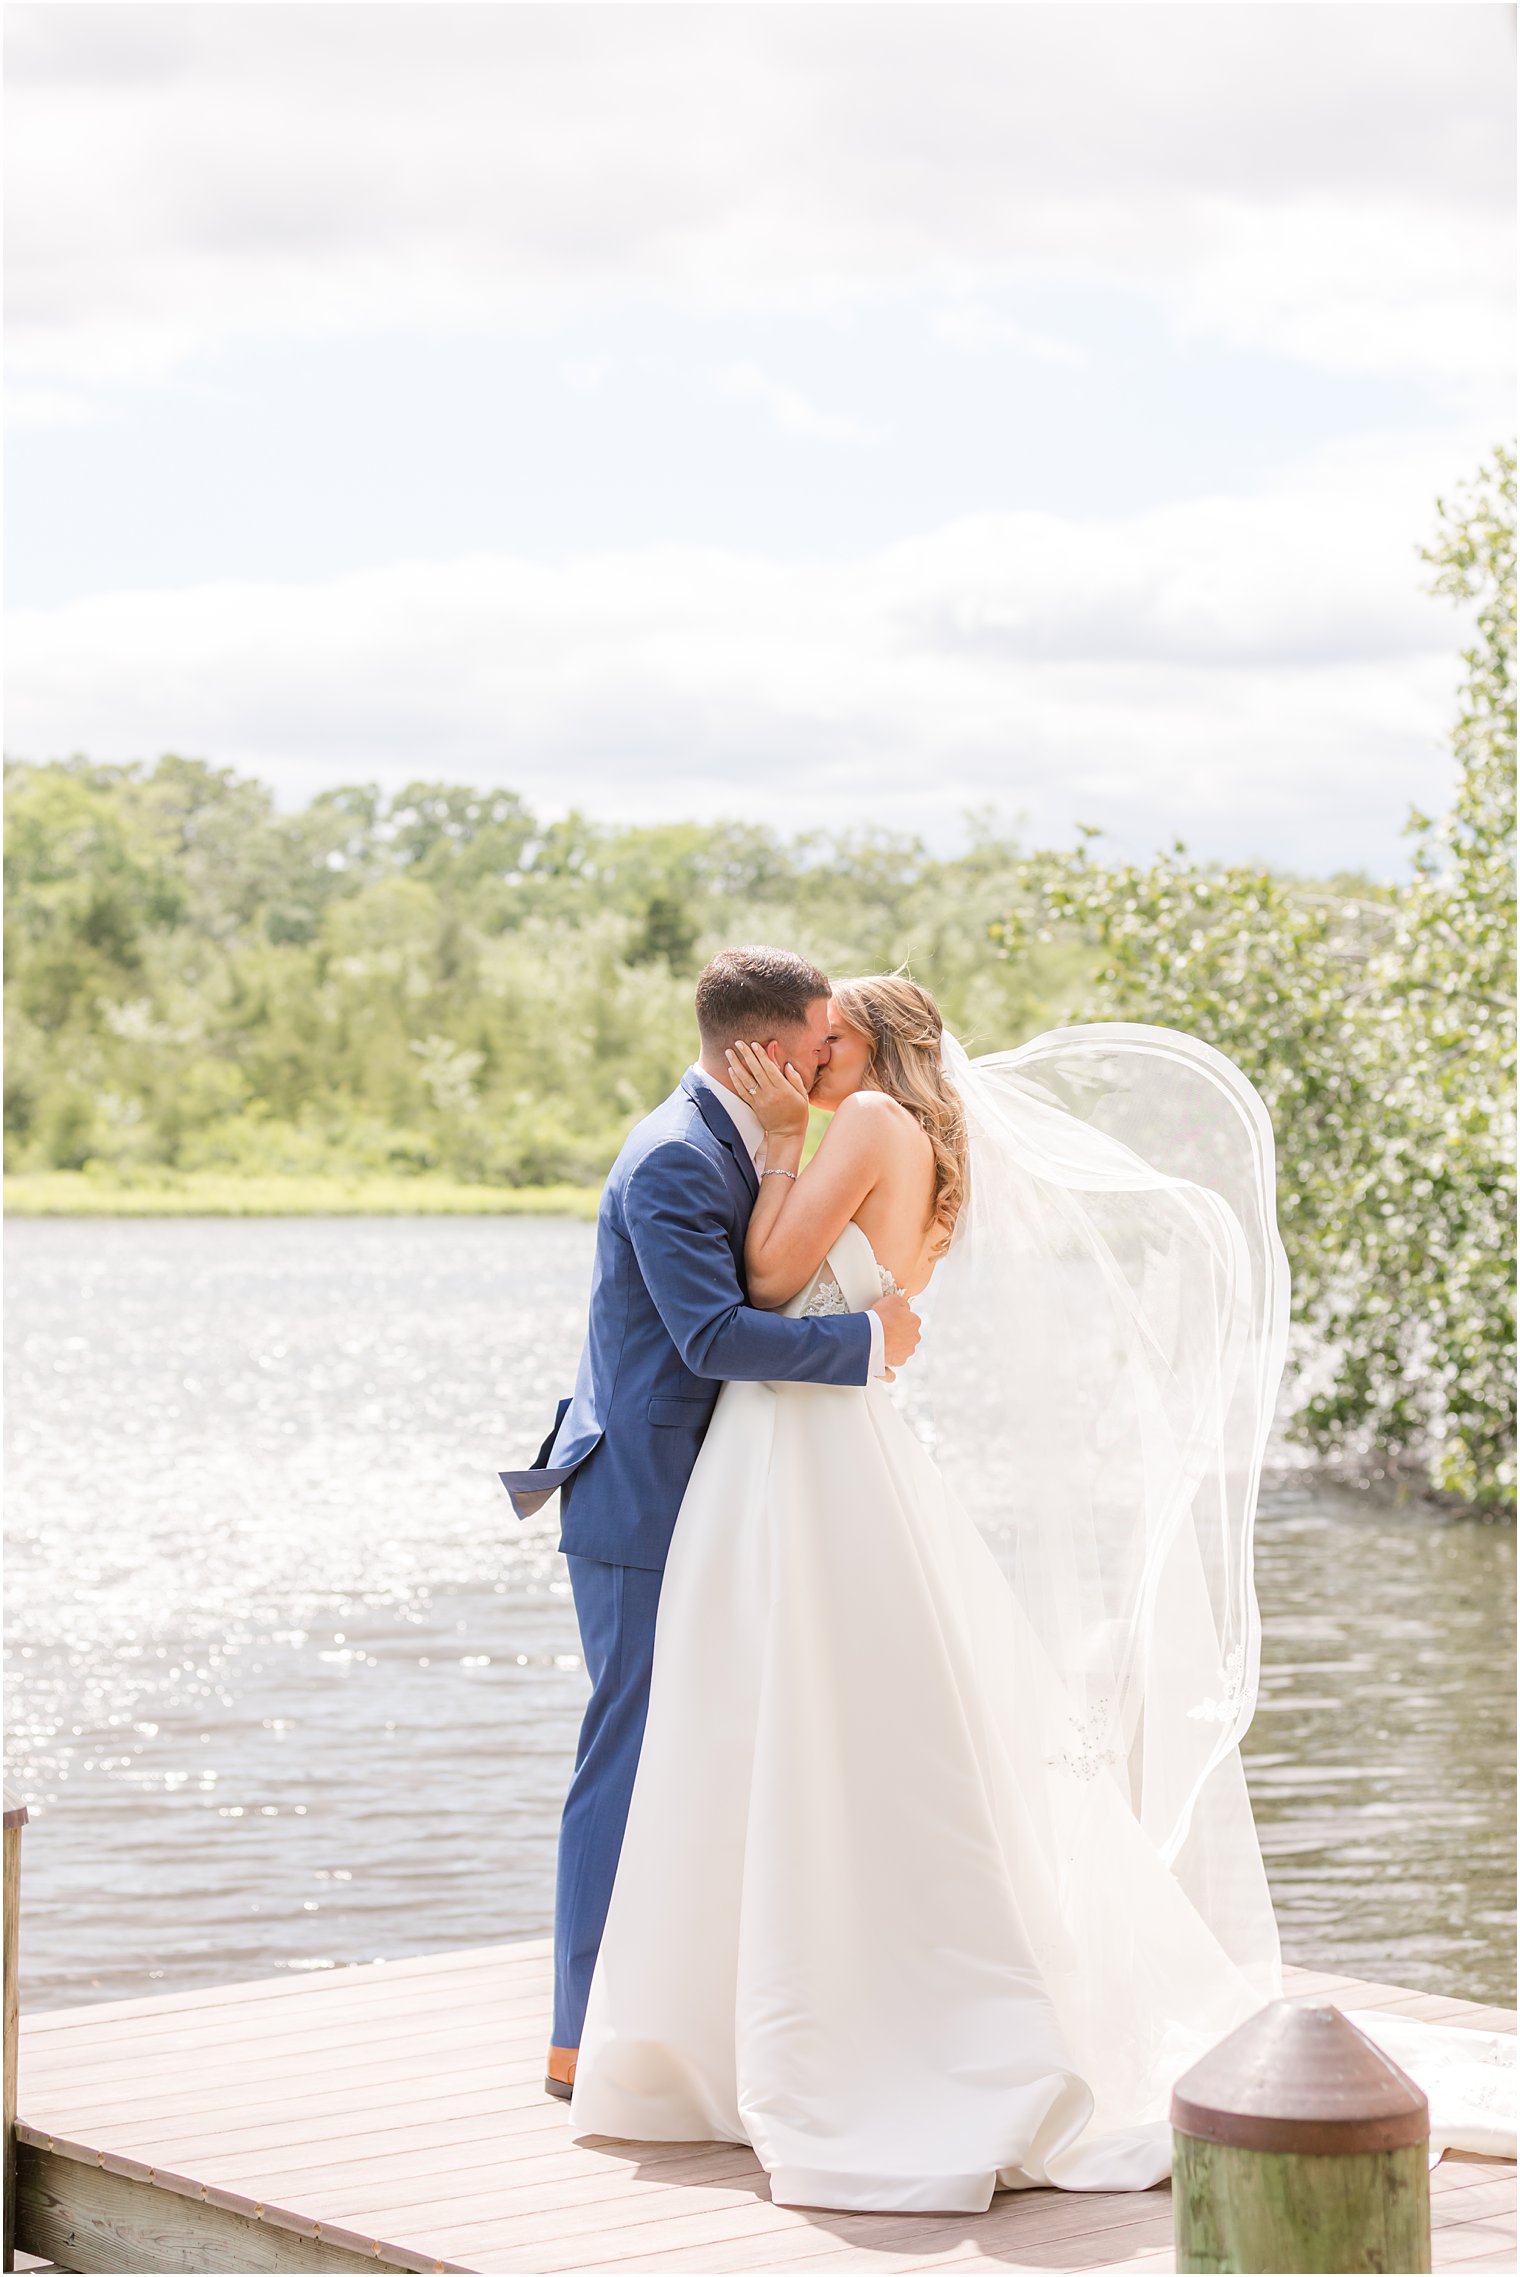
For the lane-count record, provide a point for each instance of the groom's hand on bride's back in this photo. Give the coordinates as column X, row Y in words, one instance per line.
column 900, row 1323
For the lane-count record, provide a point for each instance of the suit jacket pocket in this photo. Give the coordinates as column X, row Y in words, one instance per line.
column 670, row 1410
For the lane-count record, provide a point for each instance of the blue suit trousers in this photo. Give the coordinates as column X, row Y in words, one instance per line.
column 615, row 1606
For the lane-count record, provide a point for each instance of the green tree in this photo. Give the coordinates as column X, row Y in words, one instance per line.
column 430, row 980
column 1379, row 1026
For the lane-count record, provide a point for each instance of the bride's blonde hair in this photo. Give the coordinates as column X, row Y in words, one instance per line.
column 902, row 1027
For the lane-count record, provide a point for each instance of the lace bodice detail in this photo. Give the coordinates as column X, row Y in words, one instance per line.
column 827, row 1297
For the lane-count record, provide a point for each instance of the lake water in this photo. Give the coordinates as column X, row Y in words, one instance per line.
column 289, row 1685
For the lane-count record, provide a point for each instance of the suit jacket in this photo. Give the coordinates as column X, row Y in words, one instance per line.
column 669, row 1324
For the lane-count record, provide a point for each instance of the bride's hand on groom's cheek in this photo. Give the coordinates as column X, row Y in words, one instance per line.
column 777, row 1094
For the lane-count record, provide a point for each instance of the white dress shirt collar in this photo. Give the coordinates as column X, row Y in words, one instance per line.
column 745, row 1121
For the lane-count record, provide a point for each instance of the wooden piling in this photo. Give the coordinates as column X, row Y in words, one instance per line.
column 15, row 1820
column 1299, row 2145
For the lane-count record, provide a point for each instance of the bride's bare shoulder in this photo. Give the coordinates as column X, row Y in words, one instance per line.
column 875, row 1118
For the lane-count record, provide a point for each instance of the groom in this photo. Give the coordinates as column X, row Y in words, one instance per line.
column 669, row 1324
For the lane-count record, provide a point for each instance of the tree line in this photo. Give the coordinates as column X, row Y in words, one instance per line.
column 435, row 980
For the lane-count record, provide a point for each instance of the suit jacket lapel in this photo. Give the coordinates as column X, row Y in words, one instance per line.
column 719, row 1121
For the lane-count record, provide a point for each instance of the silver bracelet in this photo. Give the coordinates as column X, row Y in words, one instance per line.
column 779, row 1174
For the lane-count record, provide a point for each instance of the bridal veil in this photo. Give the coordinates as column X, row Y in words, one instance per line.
column 1103, row 1346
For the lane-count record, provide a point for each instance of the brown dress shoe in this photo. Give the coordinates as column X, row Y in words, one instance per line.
column 559, row 2078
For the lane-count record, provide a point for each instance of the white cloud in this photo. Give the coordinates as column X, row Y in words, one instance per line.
column 47, row 406
column 1254, row 668
column 1400, row 283
column 970, row 325
column 1332, row 182
column 790, row 408
column 587, row 374
column 1261, row 674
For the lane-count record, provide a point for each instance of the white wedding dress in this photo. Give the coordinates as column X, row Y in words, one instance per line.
column 875, row 1912
column 885, row 1909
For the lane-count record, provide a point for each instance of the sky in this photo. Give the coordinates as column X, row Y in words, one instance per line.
column 844, row 416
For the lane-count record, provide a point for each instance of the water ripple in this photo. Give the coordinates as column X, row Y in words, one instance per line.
column 289, row 1686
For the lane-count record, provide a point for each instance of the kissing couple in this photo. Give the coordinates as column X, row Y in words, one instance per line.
column 908, row 1839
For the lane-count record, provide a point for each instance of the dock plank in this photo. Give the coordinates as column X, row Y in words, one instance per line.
column 517, row 2015
column 529, row 1956
column 394, row 2112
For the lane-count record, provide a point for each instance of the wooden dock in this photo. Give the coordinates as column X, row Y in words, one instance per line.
column 394, row 2113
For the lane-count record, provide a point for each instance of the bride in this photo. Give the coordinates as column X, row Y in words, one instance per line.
column 939, row 1867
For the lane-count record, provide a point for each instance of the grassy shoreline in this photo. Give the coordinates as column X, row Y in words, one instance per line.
column 213, row 1194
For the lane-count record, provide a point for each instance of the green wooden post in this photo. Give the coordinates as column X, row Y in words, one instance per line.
column 1298, row 2145
column 15, row 1820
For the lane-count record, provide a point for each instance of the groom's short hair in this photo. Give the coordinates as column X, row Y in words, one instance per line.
column 753, row 992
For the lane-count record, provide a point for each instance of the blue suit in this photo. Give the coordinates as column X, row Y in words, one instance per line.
column 669, row 1325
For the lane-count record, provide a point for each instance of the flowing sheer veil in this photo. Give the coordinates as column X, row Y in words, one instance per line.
column 1103, row 1345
